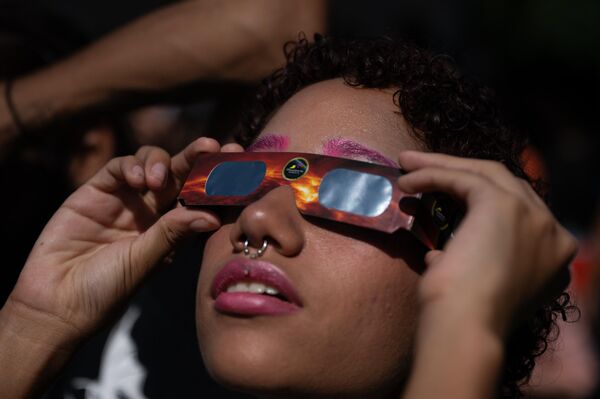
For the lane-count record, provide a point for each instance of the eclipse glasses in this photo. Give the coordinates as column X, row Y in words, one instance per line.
column 348, row 191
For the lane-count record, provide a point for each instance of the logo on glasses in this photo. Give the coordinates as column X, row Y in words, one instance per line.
column 295, row 169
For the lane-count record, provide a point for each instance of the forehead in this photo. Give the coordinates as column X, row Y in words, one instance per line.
column 332, row 109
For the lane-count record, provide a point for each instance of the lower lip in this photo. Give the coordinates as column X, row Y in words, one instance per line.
column 247, row 304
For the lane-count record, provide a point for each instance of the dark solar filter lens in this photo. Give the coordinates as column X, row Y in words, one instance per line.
column 235, row 178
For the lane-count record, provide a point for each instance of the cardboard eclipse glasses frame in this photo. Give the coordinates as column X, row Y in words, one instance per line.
column 348, row 191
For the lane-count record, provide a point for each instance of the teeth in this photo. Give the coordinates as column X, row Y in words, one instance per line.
column 257, row 288
column 252, row 287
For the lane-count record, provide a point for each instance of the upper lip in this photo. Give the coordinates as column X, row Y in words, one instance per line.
column 242, row 269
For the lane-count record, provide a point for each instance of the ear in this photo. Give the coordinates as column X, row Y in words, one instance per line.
column 98, row 147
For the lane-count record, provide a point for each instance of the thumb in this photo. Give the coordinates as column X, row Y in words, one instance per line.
column 432, row 257
column 151, row 247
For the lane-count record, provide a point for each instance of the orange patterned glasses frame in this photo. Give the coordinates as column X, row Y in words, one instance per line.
column 358, row 193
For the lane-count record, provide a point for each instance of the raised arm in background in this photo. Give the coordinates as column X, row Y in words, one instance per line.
column 189, row 41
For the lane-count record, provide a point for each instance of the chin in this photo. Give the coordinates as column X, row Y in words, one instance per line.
column 269, row 367
column 250, row 362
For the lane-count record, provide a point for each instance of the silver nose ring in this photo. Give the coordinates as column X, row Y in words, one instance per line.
column 259, row 252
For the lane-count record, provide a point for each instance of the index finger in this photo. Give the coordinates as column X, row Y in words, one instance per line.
column 180, row 166
column 493, row 170
column 182, row 163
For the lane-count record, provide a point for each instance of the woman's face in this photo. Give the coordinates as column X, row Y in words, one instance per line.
column 350, row 330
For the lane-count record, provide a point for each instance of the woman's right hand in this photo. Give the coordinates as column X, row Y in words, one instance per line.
column 97, row 249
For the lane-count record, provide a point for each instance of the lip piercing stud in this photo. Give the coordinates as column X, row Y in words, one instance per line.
column 259, row 252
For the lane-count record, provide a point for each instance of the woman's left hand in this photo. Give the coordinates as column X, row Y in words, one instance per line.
column 506, row 253
column 508, row 249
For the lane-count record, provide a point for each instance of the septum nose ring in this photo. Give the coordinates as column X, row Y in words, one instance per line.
column 259, row 252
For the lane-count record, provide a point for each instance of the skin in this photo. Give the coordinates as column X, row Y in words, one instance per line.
column 115, row 229
column 351, row 280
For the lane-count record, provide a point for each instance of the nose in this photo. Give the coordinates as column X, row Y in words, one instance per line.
column 275, row 218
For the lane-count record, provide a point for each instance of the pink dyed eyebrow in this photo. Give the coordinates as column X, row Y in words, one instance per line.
column 342, row 147
column 268, row 142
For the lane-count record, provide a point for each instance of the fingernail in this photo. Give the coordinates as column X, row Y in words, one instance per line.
column 159, row 171
column 137, row 171
column 202, row 225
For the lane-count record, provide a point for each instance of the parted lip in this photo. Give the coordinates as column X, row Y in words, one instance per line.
column 242, row 269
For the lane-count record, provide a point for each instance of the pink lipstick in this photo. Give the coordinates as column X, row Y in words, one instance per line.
column 253, row 288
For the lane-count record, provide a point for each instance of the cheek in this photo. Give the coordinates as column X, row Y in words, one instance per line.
column 367, row 314
column 216, row 250
column 217, row 247
column 378, row 293
column 212, row 253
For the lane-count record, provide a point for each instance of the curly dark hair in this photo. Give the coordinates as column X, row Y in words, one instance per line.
column 446, row 112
